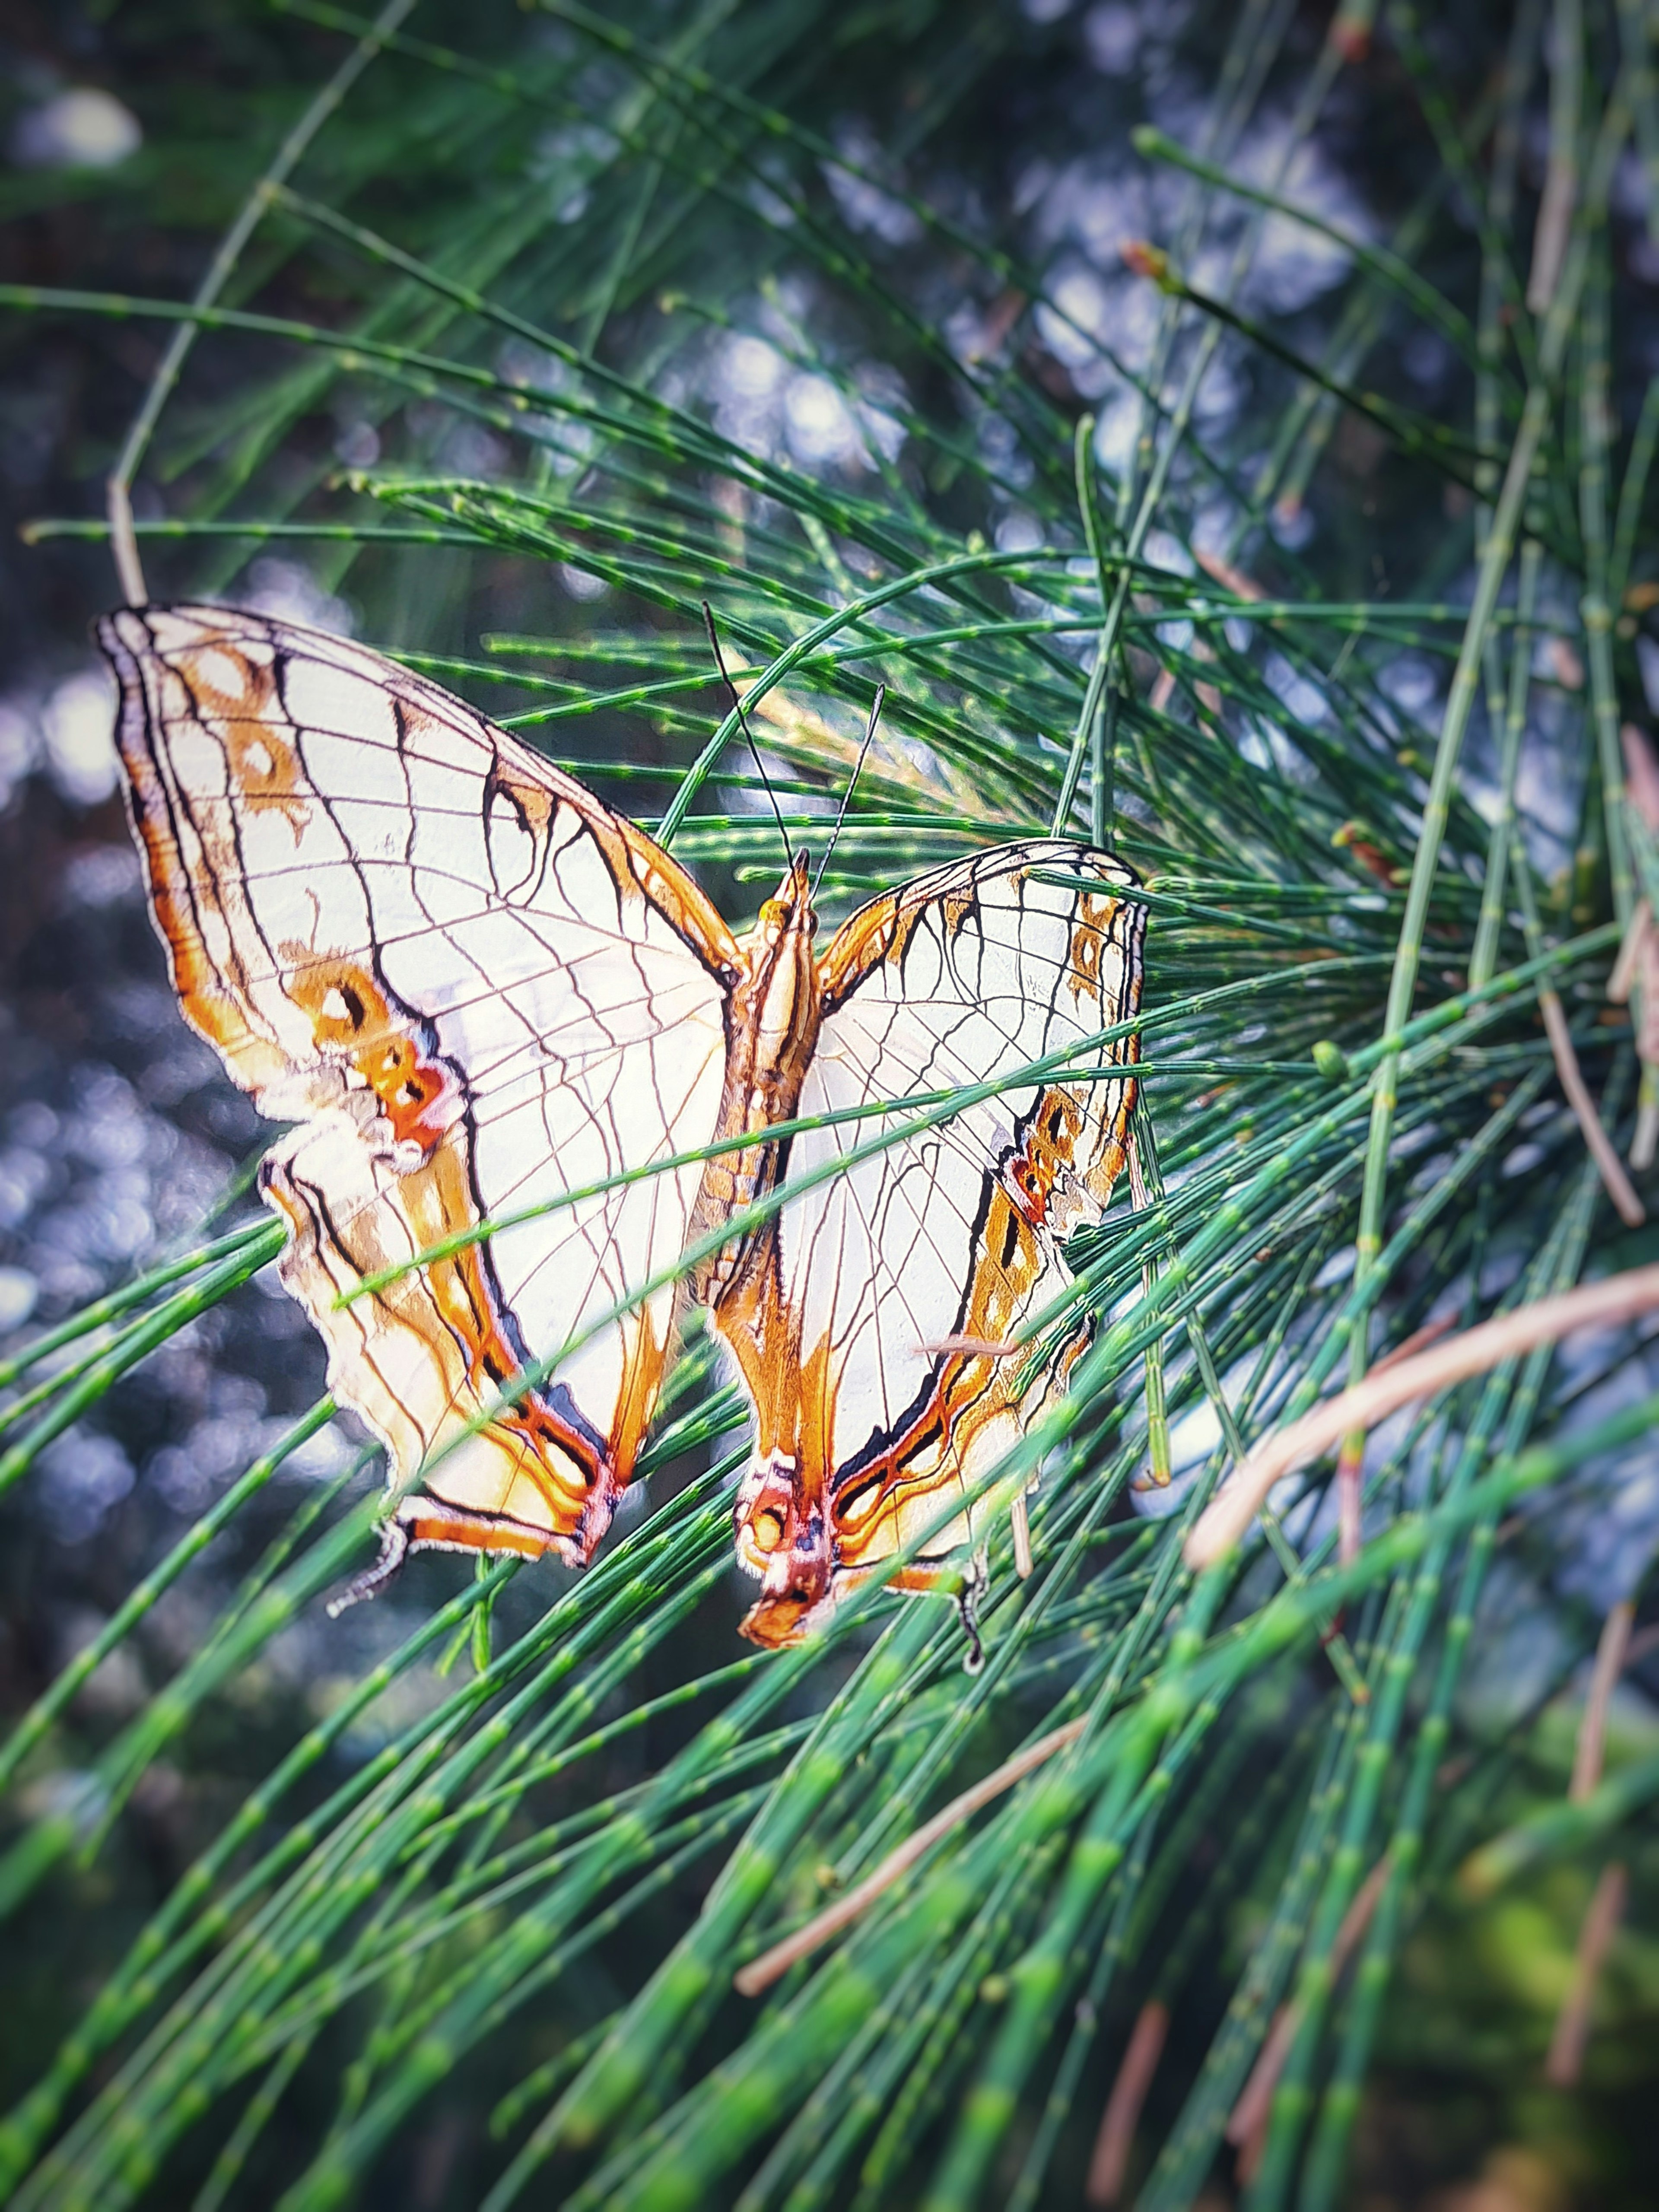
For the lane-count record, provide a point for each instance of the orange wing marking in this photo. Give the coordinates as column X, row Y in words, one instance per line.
column 180, row 894
column 532, row 807
column 1091, row 935
column 559, row 1477
column 352, row 1020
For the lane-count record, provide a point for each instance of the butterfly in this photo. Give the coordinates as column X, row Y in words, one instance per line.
column 484, row 997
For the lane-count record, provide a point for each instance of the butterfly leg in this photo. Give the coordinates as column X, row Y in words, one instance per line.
column 394, row 1550
column 974, row 1585
column 425, row 1524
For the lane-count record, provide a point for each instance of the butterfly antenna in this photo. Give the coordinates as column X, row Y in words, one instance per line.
column 852, row 784
column 743, row 723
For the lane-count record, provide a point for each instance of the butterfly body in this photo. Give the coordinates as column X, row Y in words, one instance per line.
column 502, row 1018
column 772, row 1029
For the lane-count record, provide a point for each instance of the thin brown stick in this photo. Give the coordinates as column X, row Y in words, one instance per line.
column 1474, row 1351
column 1567, row 2055
column 1642, row 789
column 1351, row 1460
column 1612, row 1654
column 1418, row 1340
column 1609, row 1166
column 1644, row 1141
column 1247, row 2127
column 1627, row 966
column 1110, row 2161
column 1549, row 239
column 1350, row 1498
column 971, row 1347
column 1022, row 1527
column 1241, row 585
column 760, row 1974
column 1641, row 774
column 1248, row 2124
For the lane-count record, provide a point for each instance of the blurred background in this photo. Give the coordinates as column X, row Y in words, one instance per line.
column 132, row 134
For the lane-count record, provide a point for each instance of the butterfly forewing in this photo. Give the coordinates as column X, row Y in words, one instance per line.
column 882, row 1396
column 477, row 990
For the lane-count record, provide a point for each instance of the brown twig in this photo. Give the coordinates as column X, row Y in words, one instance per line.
column 1351, row 1459
column 1641, row 774
column 1609, row 1166
column 1350, row 1497
column 1566, row 2061
column 1247, row 2127
column 1162, row 689
column 1642, row 790
column 971, row 1347
column 1628, row 966
column 983, row 1348
column 1110, row 2161
column 760, row 1974
column 1612, row 1655
column 1223, row 572
column 1249, row 2120
column 1549, row 240
column 1021, row 1522
column 1418, row 1340
column 1593, row 1305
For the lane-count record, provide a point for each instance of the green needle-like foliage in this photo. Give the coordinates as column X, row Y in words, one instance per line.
column 550, row 268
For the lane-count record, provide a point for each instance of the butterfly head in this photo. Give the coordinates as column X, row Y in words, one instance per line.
column 789, row 911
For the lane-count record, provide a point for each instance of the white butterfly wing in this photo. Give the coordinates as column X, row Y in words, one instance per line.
column 898, row 1279
column 477, row 989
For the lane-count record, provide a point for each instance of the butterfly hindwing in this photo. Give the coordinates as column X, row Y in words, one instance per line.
column 886, row 1291
column 477, row 990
